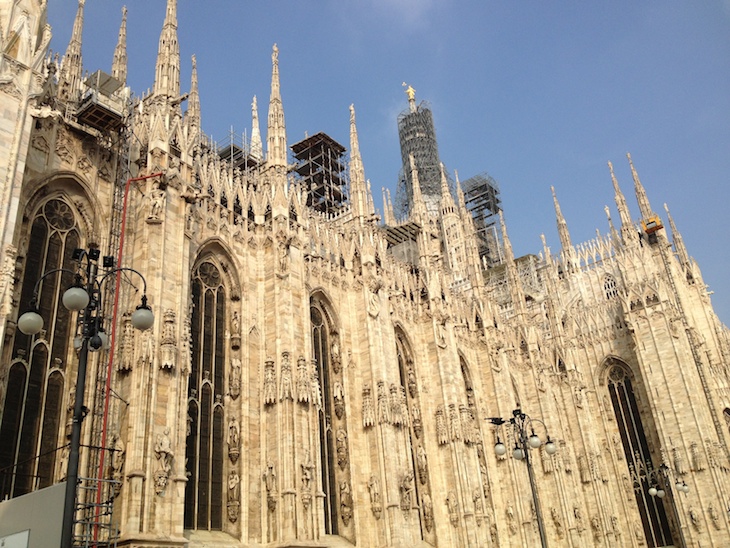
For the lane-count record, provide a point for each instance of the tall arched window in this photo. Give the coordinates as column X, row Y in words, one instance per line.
column 31, row 433
column 322, row 335
column 411, row 420
column 639, row 456
column 204, row 443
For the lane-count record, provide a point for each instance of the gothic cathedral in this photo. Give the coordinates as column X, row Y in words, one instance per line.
column 319, row 375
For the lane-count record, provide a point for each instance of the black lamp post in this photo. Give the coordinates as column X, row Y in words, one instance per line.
column 525, row 438
column 84, row 297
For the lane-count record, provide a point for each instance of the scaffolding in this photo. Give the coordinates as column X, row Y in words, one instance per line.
column 418, row 138
column 322, row 170
column 237, row 150
column 481, row 194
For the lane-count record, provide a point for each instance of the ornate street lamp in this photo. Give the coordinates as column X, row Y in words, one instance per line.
column 522, row 432
column 84, row 296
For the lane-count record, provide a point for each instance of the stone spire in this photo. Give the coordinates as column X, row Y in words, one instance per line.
column 447, row 200
column 513, row 277
column 419, row 210
column 257, row 147
column 192, row 116
column 167, row 69
column 679, row 247
column 641, row 197
column 388, row 215
column 119, row 63
column 69, row 81
column 562, row 225
column 614, row 234
column 627, row 227
column 359, row 192
column 276, row 130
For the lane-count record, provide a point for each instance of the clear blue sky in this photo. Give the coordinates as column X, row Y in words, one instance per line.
column 534, row 93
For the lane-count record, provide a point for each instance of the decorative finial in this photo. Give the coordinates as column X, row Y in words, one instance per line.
column 411, row 93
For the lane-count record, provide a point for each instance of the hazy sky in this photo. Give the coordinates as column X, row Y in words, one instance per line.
column 534, row 93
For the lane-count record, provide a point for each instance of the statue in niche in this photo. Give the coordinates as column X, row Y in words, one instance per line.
column 117, row 462
column 307, row 470
column 427, row 505
column 374, row 303
column 694, row 518
column 235, row 380
column 316, row 388
column 269, row 382
column 157, row 203
column 510, row 513
column 125, row 364
column 168, row 350
column 283, row 257
column 234, row 439
column 412, row 388
column 404, row 406
column 163, row 450
column 555, row 515
column 368, row 413
column 416, row 421
column 286, row 384
column 596, row 526
column 578, row 515
column 406, row 491
column 339, row 398
column 63, row 463
column 341, row 448
column 454, row 423
column 383, row 408
column 478, row 502
column 303, row 385
column 422, row 461
column 335, row 357
column 714, row 516
column 270, row 483
column 395, row 407
column 453, row 505
column 345, row 502
column 374, row 490
column 235, row 331
column 234, row 496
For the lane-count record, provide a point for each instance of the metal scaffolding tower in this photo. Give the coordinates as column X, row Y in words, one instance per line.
column 418, row 138
column 481, row 194
column 322, row 169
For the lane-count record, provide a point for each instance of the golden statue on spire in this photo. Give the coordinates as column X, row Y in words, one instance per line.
column 410, row 92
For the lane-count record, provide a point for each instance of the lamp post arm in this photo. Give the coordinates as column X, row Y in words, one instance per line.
column 45, row 275
column 121, row 269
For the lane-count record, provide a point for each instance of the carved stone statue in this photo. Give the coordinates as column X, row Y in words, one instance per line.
column 157, row 203
column 234, row 439
column 117, row 462
column 269, row 382
column 374, row 490
column 453, row 505
column 368, row 412
column 345, row 502
column 342, row 457
column 286, row 390
column 427, row 504
column 235, row 380
column 406, row 491
column 269, row 477
column 303, row 385
column 422, row 461
column 234, row 496
column 163, row 450
column 307, row 469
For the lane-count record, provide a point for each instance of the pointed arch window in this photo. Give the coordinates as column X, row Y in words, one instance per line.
column 204, row 442
column 639, row 457
column 32, row 427
column 322, row 335
column 609, row 287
